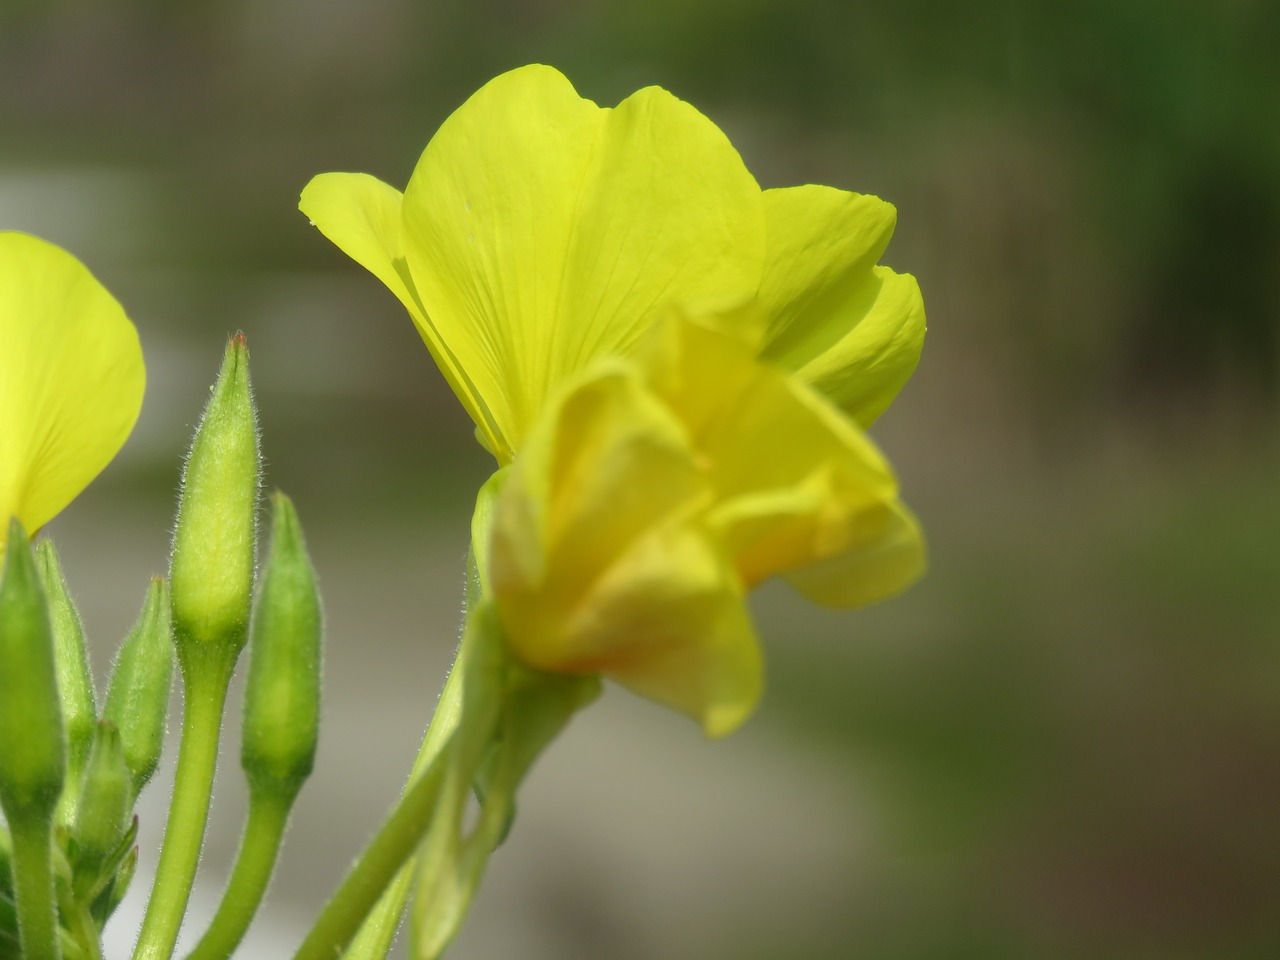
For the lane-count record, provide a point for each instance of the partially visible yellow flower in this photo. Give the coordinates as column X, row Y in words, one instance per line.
column 658, row 489
column 71, row 379
column 540, row 231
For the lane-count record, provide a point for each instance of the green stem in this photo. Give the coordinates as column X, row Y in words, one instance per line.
column 78, row 923
column 379, row 929
column 255, row 862
column 377, row 867
column 33, row 885
column 189, row 811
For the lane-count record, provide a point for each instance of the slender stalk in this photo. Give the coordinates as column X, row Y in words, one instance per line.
column 78, row 924
column 379, row 929
column 33, row 886
column 188, row 813
column 378, row 932
column 377, row 867
column 255, row 862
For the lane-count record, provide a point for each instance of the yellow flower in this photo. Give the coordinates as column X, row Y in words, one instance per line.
column 71, row 379
column 672, row 363
column 656, row 490
column 540, row 231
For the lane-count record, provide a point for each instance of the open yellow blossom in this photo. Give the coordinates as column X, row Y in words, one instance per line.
column 657, row 489
column 71, row 379
column 540, row 231
column 673, row 366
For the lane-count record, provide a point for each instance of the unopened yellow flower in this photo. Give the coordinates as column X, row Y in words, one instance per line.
column 540, row 231
column 71, row 379
column 675, row 364
column 658, row 489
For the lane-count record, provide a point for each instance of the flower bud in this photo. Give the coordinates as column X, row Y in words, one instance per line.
column 71, row 663
column 211, row 573
column 282, row 690
column 138, row 693
column 32, row 742
column 104, row 804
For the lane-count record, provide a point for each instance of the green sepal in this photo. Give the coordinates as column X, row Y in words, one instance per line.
column 103, row 811
column 509, row 715
column 140, row 686
column 71, row 661
column 123, row 867
column 536, row 707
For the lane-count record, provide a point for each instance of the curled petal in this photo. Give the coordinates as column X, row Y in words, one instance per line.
column 599, row 562
column 850, row 329
column 71, row 378
column 699, row 654
column 886, row 556
column 795, row 482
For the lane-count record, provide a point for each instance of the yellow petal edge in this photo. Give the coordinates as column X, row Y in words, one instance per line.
column 71, row 378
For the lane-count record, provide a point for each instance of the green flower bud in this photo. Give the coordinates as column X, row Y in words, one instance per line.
column 282, row 690
column 75, row 681
column 32, row 743
column 104, row 806
column 138, row 693
column 211, row 573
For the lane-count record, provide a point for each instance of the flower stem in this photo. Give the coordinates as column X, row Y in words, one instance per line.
column 78, row 924
column 33, row 886
column 379, row 928
column 189, row 811
column 255, row 862
column 377, row 867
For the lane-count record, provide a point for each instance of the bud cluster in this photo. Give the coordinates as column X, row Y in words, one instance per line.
column 71, row 766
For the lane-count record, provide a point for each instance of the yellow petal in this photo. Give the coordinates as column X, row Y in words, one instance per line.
column 850, row 329
column 543, row 231
column 795, row 482
column 887, row 557
column 71, row 378
column 605, row 465
column 599, row 563
column 361, row 215
column 693, row 646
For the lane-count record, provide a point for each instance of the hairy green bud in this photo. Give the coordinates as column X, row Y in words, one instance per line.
column 32, row 742
column 104, row 805
column 282, row 690
column 141, row 681
column 71, row 661
column 211, row 573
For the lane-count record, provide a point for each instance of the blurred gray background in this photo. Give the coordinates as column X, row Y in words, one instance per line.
column 1063, row 743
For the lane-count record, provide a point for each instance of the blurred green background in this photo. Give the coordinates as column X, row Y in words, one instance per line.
column 1063, row 743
